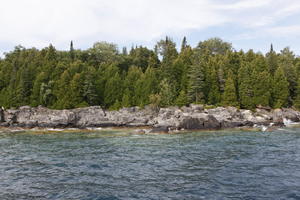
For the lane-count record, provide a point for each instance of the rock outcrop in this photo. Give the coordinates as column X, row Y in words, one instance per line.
column 193, row 117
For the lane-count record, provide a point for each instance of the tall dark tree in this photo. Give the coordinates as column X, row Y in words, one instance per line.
column 72, row 53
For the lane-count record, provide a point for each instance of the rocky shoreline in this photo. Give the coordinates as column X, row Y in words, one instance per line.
column 193, row 117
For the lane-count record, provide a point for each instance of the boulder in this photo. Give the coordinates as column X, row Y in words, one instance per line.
column 203, row 121
column 90, row 117
column 160, row 129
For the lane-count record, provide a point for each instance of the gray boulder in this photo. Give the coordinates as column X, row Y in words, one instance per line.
column 203, row 121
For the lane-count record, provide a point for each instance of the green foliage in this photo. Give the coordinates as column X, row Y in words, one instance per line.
column 281, row 89
column 167, row 93
column 182, row 99
column 229, row 96
column 262, row 88
column 211, row 73
column 246, row 89
column 196, row 87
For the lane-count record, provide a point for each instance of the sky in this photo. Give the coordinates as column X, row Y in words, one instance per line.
column 247, row 24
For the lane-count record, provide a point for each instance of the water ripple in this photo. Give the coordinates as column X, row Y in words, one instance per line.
column 117, row 165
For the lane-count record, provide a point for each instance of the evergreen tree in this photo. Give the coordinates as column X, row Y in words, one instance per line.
column 214, row 93
column 72, row 53
column 166, row 93
column 281, row 91
column 229, row 97
column 196, row 84
column 262, row 88
column 182, row 99
column 113, row 91
column 183, row 44
column 272, row 60
column 89, row 88
column 246, row 92
column 126, row 99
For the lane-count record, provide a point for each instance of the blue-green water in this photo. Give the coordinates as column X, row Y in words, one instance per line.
column 117, row 165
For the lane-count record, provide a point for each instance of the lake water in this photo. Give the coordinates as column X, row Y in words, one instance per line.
column 118, row 165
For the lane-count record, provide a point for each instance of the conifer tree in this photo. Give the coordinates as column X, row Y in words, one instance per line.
column 126, row 99
column 272, row 60
column 113, row 91
column 183, row 44
column 196, row 93
column 72, row 53
column 246, row 90
column 229, row 97
column 281, row 91
column 214, row 93
column 166, row 93
column 262, row 88
column 181, row 99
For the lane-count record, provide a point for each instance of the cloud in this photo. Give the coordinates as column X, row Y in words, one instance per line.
column 40, row 22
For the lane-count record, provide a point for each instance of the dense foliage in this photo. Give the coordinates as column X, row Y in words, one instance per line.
column 211, row 73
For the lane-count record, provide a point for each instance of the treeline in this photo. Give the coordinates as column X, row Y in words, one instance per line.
column 212, row 73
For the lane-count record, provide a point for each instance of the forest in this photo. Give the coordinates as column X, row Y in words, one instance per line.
column 212, row 73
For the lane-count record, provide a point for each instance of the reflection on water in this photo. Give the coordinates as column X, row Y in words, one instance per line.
column 114, row 164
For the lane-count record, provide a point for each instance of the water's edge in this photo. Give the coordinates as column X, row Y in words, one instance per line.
column 194, row 117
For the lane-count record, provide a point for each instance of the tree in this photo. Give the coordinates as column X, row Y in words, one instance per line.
column 214, row 46
column 229, row 97
column 113, row 91
column 196, row 84
column 90, row 94
column 167, row 49
column 262, row 88
column 182, row 99
column 183, row 44
column 286, row 62
column 214, row 92
column 281, row 91
column 246, row 90
column 272, row 60
column 72, row 53
column 166, row 93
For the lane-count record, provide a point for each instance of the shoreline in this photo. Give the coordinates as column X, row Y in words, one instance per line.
column 163, row 120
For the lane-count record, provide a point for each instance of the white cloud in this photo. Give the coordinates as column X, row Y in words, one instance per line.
column 40, row 22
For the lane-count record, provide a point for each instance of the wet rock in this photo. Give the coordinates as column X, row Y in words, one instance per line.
column 160, row 129
column 203, row 121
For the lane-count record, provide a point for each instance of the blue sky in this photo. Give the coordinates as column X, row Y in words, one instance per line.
column 247, row 24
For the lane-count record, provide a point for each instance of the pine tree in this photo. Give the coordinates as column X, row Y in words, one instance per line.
column 113, row 91
column 246, row 90
column 89, row 89
column 262, row 88
column 229, row 97
column 181, row 99
column 214, row 93
column 281, row 91
column 272, row 60
column 183, row 44
column 166, row 93
column 72, row 53
column 196, row 84
column 126, row 99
